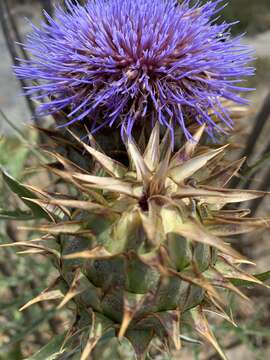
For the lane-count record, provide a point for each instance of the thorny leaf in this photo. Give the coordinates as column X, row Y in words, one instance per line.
column 111, row 166
column 189, row 167
column 44, row 296
column 74, row 289
column 203, row 328
column 68, row 227
column 216, row 196
column 29, row 244
column 142, row 170
column 224, row 175
column 111, row 184
column 97, row 253
column 186, row 152
column 99, row 326
column 132, row 303
column 193, row 230
column 151, row 155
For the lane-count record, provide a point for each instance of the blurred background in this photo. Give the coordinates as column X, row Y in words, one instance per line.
column 21, row 334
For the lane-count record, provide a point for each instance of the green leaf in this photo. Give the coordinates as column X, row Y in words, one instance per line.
column 13, row 155
column 21, row 136
column 15, row 215
column 262, row 277
column 50, row 351
column 23, row 192
column 253, row 169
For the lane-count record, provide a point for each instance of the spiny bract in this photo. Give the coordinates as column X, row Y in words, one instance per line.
column 134, row 62
column 138, row 244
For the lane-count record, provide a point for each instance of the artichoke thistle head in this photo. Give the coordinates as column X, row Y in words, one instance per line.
column 138, row 239
column 126, row 63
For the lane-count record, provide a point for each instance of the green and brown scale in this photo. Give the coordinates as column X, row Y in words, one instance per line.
column 138, row 243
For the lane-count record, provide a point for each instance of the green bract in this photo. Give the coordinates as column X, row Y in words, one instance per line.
column 138, row 242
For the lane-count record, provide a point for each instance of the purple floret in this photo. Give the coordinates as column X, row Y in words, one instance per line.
column 127, row 62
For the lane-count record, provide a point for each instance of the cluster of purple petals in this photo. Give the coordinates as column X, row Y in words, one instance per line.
column 126, row 62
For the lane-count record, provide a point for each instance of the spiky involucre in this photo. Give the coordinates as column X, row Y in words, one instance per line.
column 139, row 249
column 128, row 62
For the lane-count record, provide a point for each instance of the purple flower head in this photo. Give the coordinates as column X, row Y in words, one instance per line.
column 127, row 62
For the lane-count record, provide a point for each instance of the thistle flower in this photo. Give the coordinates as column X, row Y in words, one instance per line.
column 127, row 62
